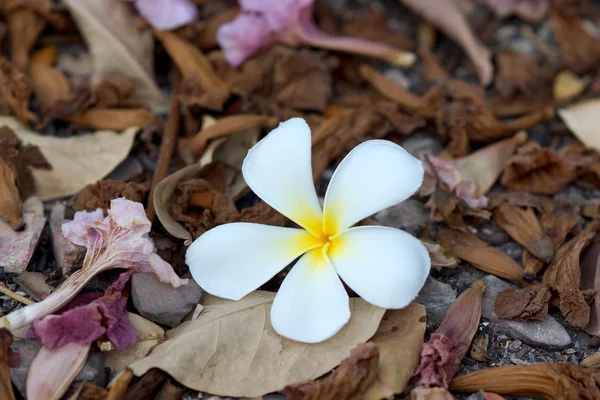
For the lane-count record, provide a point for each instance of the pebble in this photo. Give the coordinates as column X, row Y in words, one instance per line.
column 549, row 334
column 514, row 345
column 93, row 369
column 421, row 143
column 492, row 234
column 437, row 298
column 408, row 215
column 162, row 303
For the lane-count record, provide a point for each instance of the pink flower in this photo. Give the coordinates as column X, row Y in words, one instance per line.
column 263, row 23
column 167, row 14
column 119, row 240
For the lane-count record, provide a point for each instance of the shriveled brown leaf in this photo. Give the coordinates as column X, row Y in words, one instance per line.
column 10, row 199
column 478, row 350
column 76, row 161
column 399, row 337
column 15, row 90
column 349, row 381
column 451, row 209
column 529, row 304
column 521, row 199
column 270, row 364
column 553, row 381
column 100, row 194
column 483, row 256
column 517, row 73
column 374, row 25
column 524, row 227
column 118, row 47
column 113, row 119
column 537, row 170
column 89, row 391
column 591, row 361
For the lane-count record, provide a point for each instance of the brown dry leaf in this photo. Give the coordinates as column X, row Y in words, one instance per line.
column 149, row 336
column 564, row 277
column 447, row 207
column 100, row 194
column 470, row 248
column 448, row 18
column 580, row 51
column 517, row 73
column 6, row 389
column 537, row 170
column 76, row 161
column 195, row 68
column 552, row 381
column 349, row 381
column 524, row 227
column 542, row 204
column 261, row 213
column 478, row 350
column 113, row 119
column 590, row 279
column 591, row 361
column 529, row 304
column 89, row 391
column 399, row 337
column 375, row 25
column 15, row 90
column 567, row 85
column 582, row 120
column 118, row 47
column 199, row 355
column 10, row 199
column 49, row 84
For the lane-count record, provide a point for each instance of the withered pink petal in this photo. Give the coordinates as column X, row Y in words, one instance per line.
column 127, row 214
column 77, row 230
column 278, row 14
column 167, row 14
column 243, row 37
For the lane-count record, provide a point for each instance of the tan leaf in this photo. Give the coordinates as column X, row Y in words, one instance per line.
column 579, row 50
column 149, row 335
column 517, row 73
column 10, row 200
column 400, row 337
column 49, row 84
column 113, row 119
column 479, row 346
column 567, row 85
column 582, row 120
column 76, row 161
column 199, row 354
column 470, row 248
column 118, row 47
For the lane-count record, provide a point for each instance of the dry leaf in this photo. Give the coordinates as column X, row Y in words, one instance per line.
column 582, row 120
column 49, row 84
column 537, row 170
column 100, row 194
column 10, row 199
column 15, row 90
column 6, row 389
column 118, row 47
column 399, row 337
column 591, row 361
column 76, row 161
column 517, row 74
column 199, row 355
column 524, row 227
column 529, row 304
column 149, row 335
column 552, row 381
column 440, row 257
column 349, row 381
column 479, row 347
column 449, row 19
column 579, row 50
column 470, row 248
column 590, row 279
column 542, row 204
column 567, row 85
column 113, row 119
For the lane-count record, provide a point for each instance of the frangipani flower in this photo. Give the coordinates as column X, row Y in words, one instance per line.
column 387, row 267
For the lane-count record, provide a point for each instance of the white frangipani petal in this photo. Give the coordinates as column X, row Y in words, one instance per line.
column 278, row 169
column 376, row 174
column 385, row 266
column 232, row 260
column 312, row 304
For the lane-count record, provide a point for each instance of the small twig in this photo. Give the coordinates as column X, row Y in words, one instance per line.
column 15, row 296
column 167, row 146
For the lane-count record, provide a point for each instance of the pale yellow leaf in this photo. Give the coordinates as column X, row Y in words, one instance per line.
column 400, row 337
column 567, row 85
column 148, row 334
column 232, row 350
column 118, row 46
column 76, row 161
column 583, row 120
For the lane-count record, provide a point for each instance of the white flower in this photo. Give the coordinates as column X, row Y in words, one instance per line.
column 387, row 267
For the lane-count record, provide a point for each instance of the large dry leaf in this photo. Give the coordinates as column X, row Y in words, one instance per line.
column 232, row 350
column 118, row 47
column 400, row 337
column 582, row 119
column 76, row 161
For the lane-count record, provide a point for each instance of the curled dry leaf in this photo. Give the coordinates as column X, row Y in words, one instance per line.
column 10, row 199
column 537, row 170
column 552, row 381
column 590, row 279
column 524, row 227
column 448, row 18
column 118, row 47
column 529, row 304
column 442, row 354
column 399, row 337
column 581, row 119
column 6, row 389
column 579, row 50
column 267, row 364
column 349, row 381
column 542, row 204
column 99, row 195
column 453, row 210
column 518, row 74
column 76, row 161
column 470, row 248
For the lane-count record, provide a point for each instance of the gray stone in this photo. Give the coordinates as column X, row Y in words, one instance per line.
column 420, row 143
column 437, row 297
column 548, row 334
column 408, row 215
column 161, row 302
column 93, row 369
